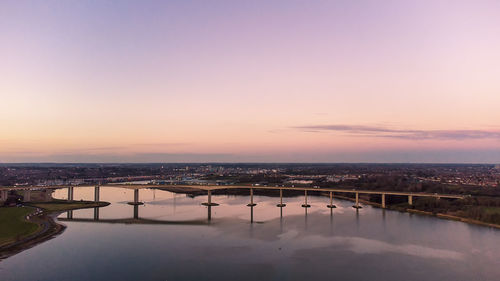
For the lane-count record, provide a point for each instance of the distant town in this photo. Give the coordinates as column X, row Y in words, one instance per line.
column 414, row 176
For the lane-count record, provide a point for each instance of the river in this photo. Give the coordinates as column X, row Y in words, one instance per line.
column 176, row 241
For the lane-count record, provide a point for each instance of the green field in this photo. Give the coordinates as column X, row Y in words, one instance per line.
column 492, row 210
column 13, row 225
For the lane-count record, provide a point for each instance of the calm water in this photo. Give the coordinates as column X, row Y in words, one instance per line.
column 346, row 245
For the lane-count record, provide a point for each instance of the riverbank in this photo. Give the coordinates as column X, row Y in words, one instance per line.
column 402, row 207
column 420, row 212
column 26, row 226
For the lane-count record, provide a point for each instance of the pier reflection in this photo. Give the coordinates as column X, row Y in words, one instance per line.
column 136, row 211
column 186, row 211
column 96, row 213
column 135, row 217
column 251, row 213
column 209, row 212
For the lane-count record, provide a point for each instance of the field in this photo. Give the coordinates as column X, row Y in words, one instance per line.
column 13, row 224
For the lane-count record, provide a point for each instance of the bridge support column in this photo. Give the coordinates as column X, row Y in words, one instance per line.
column 69, row 215
column 3, row 195
column 331, row 206
column 281, row 205
column 209, row 203
column 410, row 200
column 96, row 193
column 70, row 193
column 251, row 204
column 136, row 196
column 27, row 196
column 305, row 205
column 383, row 200
column 357, row 202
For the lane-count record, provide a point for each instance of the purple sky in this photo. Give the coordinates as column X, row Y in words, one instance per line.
column 266, row 81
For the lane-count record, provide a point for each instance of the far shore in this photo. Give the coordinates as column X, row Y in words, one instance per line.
column 419, row 212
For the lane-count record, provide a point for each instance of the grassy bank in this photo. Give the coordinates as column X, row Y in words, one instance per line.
column 18, row 233
column 14, row 226
column 464, row 212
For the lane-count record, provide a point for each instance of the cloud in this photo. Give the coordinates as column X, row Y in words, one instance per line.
column 380, row 131
column 122, row 158
column 162, row 144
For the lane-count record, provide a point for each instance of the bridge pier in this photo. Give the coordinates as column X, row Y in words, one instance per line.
column 3, row 195
column 209, row 203
column 251, row 214
column 356, row 206
column 136, row 198
column 305, row 205
column 383, row 200
column 281, row 205
column 251, row 204
column 96, row 193
column 69, row 215
column 331, row 206
column 70, row 193
column 410, row 200
column 27, row 195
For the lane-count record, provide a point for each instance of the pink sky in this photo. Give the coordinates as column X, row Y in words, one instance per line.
column 271, row 81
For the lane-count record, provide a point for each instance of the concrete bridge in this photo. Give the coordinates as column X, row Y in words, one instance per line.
column 26, row 192
column 251, row 188
column 331, row 191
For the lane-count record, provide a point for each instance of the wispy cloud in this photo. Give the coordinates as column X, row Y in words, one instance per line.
column 162, row 144
column 380, row 131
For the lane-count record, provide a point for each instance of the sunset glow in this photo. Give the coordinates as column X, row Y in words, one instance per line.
column 254, row 81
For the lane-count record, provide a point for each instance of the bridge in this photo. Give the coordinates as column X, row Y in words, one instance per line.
column 331, row 191
column 251, row 188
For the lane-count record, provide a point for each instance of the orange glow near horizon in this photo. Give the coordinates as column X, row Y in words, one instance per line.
column 86, row 83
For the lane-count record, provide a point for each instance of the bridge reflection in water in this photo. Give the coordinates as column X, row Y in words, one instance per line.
column 189, row 188
column 136, row 219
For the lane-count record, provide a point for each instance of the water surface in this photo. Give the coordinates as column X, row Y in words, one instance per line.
column 313, row 244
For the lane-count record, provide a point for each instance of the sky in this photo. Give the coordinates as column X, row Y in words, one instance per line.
column 250, row 81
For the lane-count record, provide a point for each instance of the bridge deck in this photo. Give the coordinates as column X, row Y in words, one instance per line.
column 277, row 188
column 219, row 187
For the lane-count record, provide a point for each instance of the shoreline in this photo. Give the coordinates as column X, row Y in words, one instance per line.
column 48, row 228
column 425, row 213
